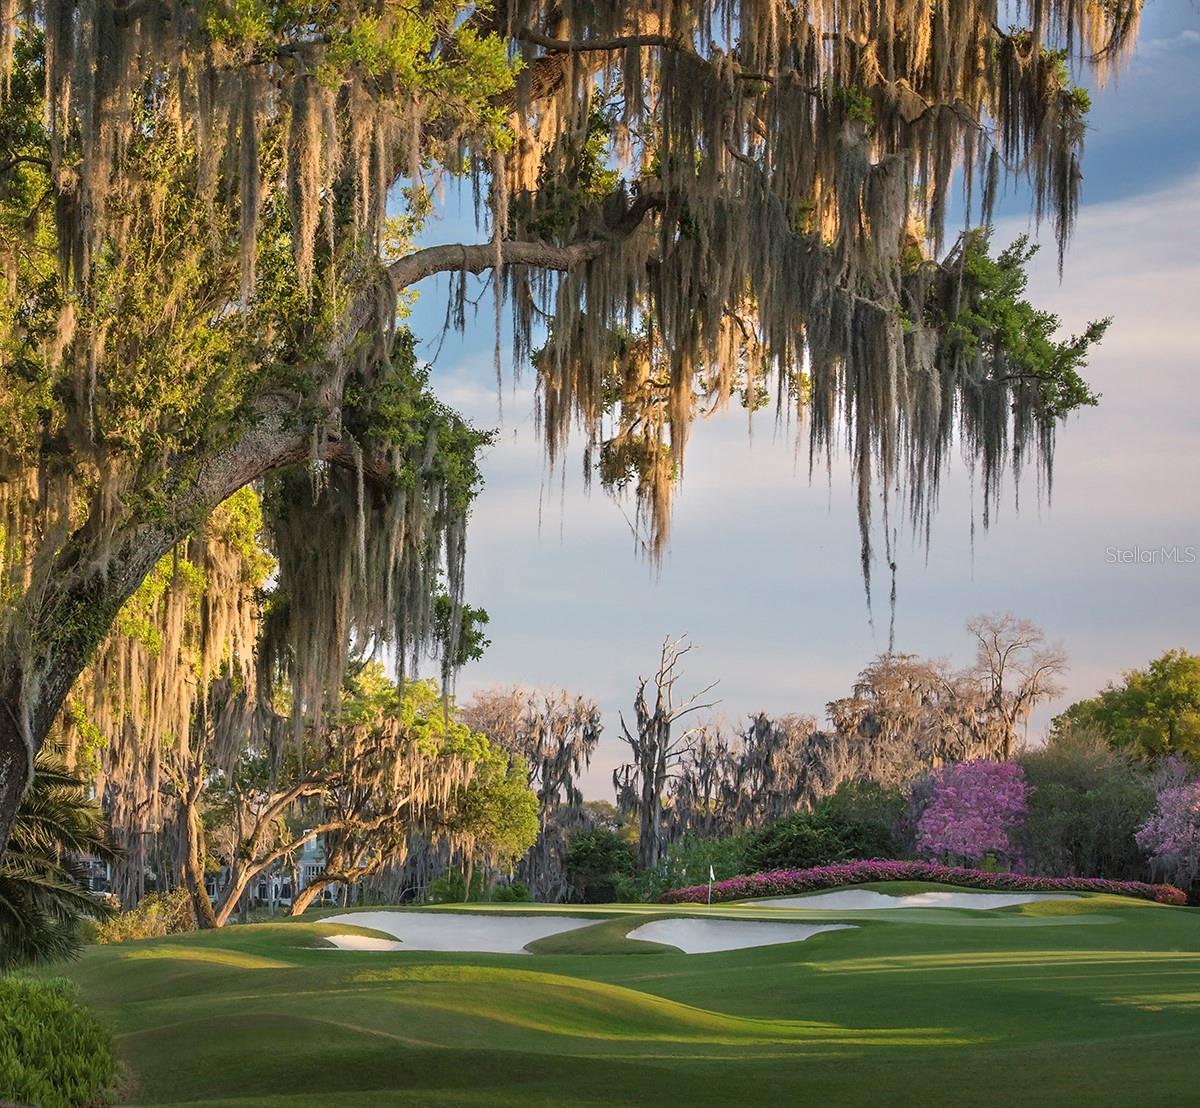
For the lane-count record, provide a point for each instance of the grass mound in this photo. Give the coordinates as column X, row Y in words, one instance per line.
column 606, row 937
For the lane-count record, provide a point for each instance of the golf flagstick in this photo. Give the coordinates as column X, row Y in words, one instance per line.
column 711, row 877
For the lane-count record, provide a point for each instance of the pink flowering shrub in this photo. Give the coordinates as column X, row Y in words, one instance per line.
column 973, row 809
column 792, row 881
column 1171, row 836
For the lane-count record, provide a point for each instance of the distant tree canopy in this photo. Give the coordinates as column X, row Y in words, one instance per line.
column 553, row 735
column 1155, row 710
column 904, row 716
column 206, row 219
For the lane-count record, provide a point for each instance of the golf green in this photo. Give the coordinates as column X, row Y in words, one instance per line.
column 1093, row 1000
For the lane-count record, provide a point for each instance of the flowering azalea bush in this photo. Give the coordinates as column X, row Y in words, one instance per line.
column 1171, row 836
column 791, row 881
column 973, row 809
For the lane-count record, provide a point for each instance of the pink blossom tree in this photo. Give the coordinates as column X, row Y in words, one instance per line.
column 973, row 809
column 1171, row 836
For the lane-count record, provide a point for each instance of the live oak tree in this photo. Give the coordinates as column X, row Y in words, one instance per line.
column 206, row 216
column 392, row 765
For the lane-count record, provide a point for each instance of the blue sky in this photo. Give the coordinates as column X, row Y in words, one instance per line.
column 763, row 572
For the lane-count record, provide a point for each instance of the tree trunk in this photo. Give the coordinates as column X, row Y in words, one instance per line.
column 193, row 866
column 243, row 873
column 301, row 901
column 15, row 771
column 239, row 879
column 60, row 622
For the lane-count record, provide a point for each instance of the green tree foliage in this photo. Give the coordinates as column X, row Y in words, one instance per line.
column 182, row 645
column 1086, row 800
column 392, row 764
column 553, row 734
column 452, row 887
column 161, row 314
column 995, row 319
column 594, row 863
column 54, row 1052
column 458, row 631
column 857, row 822
column 515, row 892
column 1153, row 711
column 496, row 814
column 44, row 895
column 687, row 862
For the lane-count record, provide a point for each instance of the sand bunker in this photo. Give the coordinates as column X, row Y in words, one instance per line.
column 706, row 936
column 858, row 899
column 476, row 932
column 363, row 942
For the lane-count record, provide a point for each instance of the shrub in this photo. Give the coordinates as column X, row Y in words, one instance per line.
column 789, row 882
column 855, row 822
column 515, row 891
column 53, row 1050
column 451, row 887
column 866, row 803
column 691, row 857
column 797, row 841
column 154, row 916
column 595, row 861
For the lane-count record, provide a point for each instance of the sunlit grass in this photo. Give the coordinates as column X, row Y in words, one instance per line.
column 1069, row 1000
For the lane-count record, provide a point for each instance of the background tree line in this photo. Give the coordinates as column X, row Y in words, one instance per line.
column 1113, row 791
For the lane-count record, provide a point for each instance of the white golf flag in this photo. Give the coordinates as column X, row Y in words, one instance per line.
column 711, row 876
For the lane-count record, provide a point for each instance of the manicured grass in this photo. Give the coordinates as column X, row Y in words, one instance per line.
column 1092, row 1001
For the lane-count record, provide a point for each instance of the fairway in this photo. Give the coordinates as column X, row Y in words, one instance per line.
column 1095, row 999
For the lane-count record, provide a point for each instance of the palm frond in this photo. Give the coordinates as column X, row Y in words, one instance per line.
column 43, row 876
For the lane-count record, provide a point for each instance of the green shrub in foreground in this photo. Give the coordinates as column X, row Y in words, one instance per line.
column 54, row 1052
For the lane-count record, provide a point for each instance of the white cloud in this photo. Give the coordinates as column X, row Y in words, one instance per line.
column 1187, row 39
